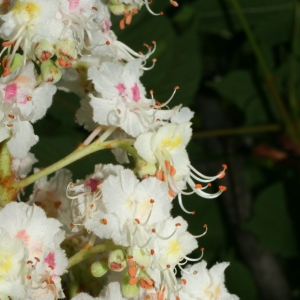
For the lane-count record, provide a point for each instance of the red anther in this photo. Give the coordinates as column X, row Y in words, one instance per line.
column 172, row 171
column 128, row 19
column 222, row 175
column 147, row 283
column 153, row 230
column 114, row 266
column 10, row 125
column 7, row 44
column 171, row 194
column 11, row 116
column 45, row 55
column 174, row 3
column 28, row 277
column 222, row 188
column 168, row 266
column 6, row 72
column 94, row 8
column 183, row 281
column 37, row 259
column 209, row 184
column 198, row 186
column 202, row 249
column 72, row 225
column 107, row 43
column 195, row 272
column 122, row 24
column 193, row 212
column 63, row 63
column 224, row 167
column 161, row 13
column 152, row 201
column 57, row 204
column 51, row 267
column 178, row 224
column 130, row 257
column 29, row 98
column 152, row 252
column 205, row 225
column 104, row 221
column 168, row 165
column 137, row 220
column 29, row 262
column 133, row 281
column 158, row 103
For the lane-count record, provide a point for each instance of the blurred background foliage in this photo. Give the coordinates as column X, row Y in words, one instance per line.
column 244, row 87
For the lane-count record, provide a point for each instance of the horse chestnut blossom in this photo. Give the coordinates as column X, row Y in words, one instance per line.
column 116, row 223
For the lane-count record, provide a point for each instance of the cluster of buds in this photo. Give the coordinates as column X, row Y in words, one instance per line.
column 68, row 45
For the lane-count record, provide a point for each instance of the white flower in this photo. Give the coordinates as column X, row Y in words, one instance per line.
column 166, row 148
column 28, row 22
column 51, row 196
column 42, row 237
column 203, row 284
column 13, row 267
column 21, row 103
column 22, row 166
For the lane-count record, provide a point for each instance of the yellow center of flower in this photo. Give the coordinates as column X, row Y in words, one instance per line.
column 6, row 262
column 171, row 143
column 29, row 8
column 174, row 247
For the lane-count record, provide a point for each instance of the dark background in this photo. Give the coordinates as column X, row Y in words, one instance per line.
column 203, row 48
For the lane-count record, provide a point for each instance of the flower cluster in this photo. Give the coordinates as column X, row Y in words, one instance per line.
column 68, row 45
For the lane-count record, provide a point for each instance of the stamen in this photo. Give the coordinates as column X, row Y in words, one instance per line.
column 181, row 205
column 199, row 236
column 104, row 221
column 195, row 259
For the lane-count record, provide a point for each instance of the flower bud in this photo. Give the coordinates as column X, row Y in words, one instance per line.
column 129, row 290
column 142, row 258
column 116, row 260
column 99, row 268
column 50, row 72
column 144, row 169
column 16, row 62
column 44, row 50
column 116, row 7
column 66, row 53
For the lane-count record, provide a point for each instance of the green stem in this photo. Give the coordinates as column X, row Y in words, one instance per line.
column 237, row 131
column 293, row 64
column 88, row 252
column 80, row 152
column 267, row 74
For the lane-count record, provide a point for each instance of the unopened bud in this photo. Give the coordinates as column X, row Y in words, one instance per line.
column 66, row 52
column 142, row 258
column 99, row 268
column 50, row 72
column 16, row 62
column 129, row 290
column 44, row 50
column 116, row 260
column 144, row 169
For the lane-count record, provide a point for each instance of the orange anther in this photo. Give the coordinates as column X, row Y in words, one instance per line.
column 174, row 3
column 137, row 220
column 28, row 277
column 72, row 225
column 94, row 8
column 91, row 206
column 178, row 224
column 172, row 171
column 209, row 184
column 151, row 92
column 134, row 11
column 133, row 281
column 6, row 72
column 221, row 175
column 107, row 43
column 119, row 111
column 158, row 103
column 153, row 42
column 10, row 125
column 152, row 201
column 7, row 44
column 29, row 262
column 132, row 271
column 161, row 13
column 171, row 194
column 177, row 298
column 130, row 257
column 104, row 221
column 168, row 266
column 122, row 24
column 157, row 120
column 198, row 186
column 168, row 165
column 183, row 281
column 222, row 188
column 193, row 212
column 224, row 167
column 152, row 252
column 29, row 98
column 37, row 259
column 153, row 230
column 176, row 87
column 205, row 225
column 57, row 204
column 160, row 175
column 132, row 263
column 195, row 272
column 147, row 283
column 154, row 59
column 128, row 19
column 114, row 266
column 202, row 249
column 11, row 116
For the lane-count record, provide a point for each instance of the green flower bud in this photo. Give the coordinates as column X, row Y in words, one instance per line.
column 117, row 261
column 44, row 50
column 50, row 72
column 116, row 7
column 142, row 258
column 128, row 289
column 15, row 64
column 99, row 268
column 66, row 53
column 144, row 169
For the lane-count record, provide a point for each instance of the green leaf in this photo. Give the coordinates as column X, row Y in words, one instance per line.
column 272, row 223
